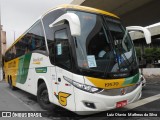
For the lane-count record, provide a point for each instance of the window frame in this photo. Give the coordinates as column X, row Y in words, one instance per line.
column 20, row 40
column 59, row 28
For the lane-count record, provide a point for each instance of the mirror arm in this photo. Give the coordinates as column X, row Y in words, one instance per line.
column 146, row 32
column 74, row 23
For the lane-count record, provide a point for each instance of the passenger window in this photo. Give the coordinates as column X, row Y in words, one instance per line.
column 63, row 56
column 36, row 40
column 51, row 51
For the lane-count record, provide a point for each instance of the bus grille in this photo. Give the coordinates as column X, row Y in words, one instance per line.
column 115, row 92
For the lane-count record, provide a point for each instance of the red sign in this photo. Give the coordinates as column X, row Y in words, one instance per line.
column 121, row 104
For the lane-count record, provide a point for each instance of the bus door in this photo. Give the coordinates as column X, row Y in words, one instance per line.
column 63, row 62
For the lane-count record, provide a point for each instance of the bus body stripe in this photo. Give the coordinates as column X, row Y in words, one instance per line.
column 114, row 83
column 23, row 68
column 131, row 80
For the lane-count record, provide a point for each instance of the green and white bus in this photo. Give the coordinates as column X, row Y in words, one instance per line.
column 57, row 59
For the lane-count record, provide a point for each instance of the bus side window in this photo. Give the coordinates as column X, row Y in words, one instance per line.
column 51, row 50
column 63, row 56
column 36, row 40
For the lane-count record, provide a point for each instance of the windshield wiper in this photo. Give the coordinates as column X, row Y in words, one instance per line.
column 128, row 63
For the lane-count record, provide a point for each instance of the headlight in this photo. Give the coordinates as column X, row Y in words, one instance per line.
column 83, row 87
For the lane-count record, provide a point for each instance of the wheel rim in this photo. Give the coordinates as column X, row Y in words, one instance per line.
column 44, row 97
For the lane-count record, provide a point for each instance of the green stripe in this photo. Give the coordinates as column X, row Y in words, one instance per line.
column 23, row 68
column 131, row 80
column 41, row 70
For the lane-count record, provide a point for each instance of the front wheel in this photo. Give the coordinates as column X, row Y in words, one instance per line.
column 43, row 98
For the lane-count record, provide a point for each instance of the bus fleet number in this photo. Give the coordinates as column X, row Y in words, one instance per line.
column 112, row 84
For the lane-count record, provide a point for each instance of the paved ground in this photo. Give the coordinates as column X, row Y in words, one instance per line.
column 21, row 101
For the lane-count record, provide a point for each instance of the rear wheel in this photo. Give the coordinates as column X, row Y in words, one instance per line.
column 43, row 98
column 11, row 85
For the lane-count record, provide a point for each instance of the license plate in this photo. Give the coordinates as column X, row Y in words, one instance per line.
column 121, row 104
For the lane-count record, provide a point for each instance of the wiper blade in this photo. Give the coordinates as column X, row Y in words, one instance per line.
column 122, row 55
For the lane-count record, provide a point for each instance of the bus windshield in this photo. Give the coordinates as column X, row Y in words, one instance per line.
column 104, row 46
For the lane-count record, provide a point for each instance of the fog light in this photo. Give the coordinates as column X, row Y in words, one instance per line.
column 90, row 105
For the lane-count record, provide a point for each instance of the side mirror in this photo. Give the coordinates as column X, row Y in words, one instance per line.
column 74, row 23
column 146, row 32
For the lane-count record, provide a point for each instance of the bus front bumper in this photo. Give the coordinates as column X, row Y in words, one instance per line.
column 88, row 103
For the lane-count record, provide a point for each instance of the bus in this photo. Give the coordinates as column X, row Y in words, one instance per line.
column 57, row 59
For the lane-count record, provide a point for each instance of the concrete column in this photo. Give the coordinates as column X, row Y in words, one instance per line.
column 1, row 74
column 77, row 2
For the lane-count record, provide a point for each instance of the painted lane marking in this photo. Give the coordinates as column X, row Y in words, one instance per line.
column 143, row 102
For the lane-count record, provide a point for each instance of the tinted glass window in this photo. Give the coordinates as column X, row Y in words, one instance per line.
column 47, row 20
column 32, row 40
column 51, row 51
column 63, row 56
column 36, row 38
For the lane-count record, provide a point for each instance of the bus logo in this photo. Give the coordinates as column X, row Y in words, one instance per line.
column 62, row 98
column 123, row 91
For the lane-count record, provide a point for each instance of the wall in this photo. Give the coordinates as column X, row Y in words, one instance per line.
column 3, row 38
column 151, row 72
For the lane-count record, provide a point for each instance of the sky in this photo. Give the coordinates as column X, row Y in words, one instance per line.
column 18, row 15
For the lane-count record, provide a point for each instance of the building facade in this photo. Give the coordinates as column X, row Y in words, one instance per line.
column 2, row 51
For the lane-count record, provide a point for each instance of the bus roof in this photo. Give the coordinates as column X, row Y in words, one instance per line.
column 69, row 6
column 83, row 8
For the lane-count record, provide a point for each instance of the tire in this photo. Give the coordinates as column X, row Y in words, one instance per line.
column 11, row 85
column 43, row 98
